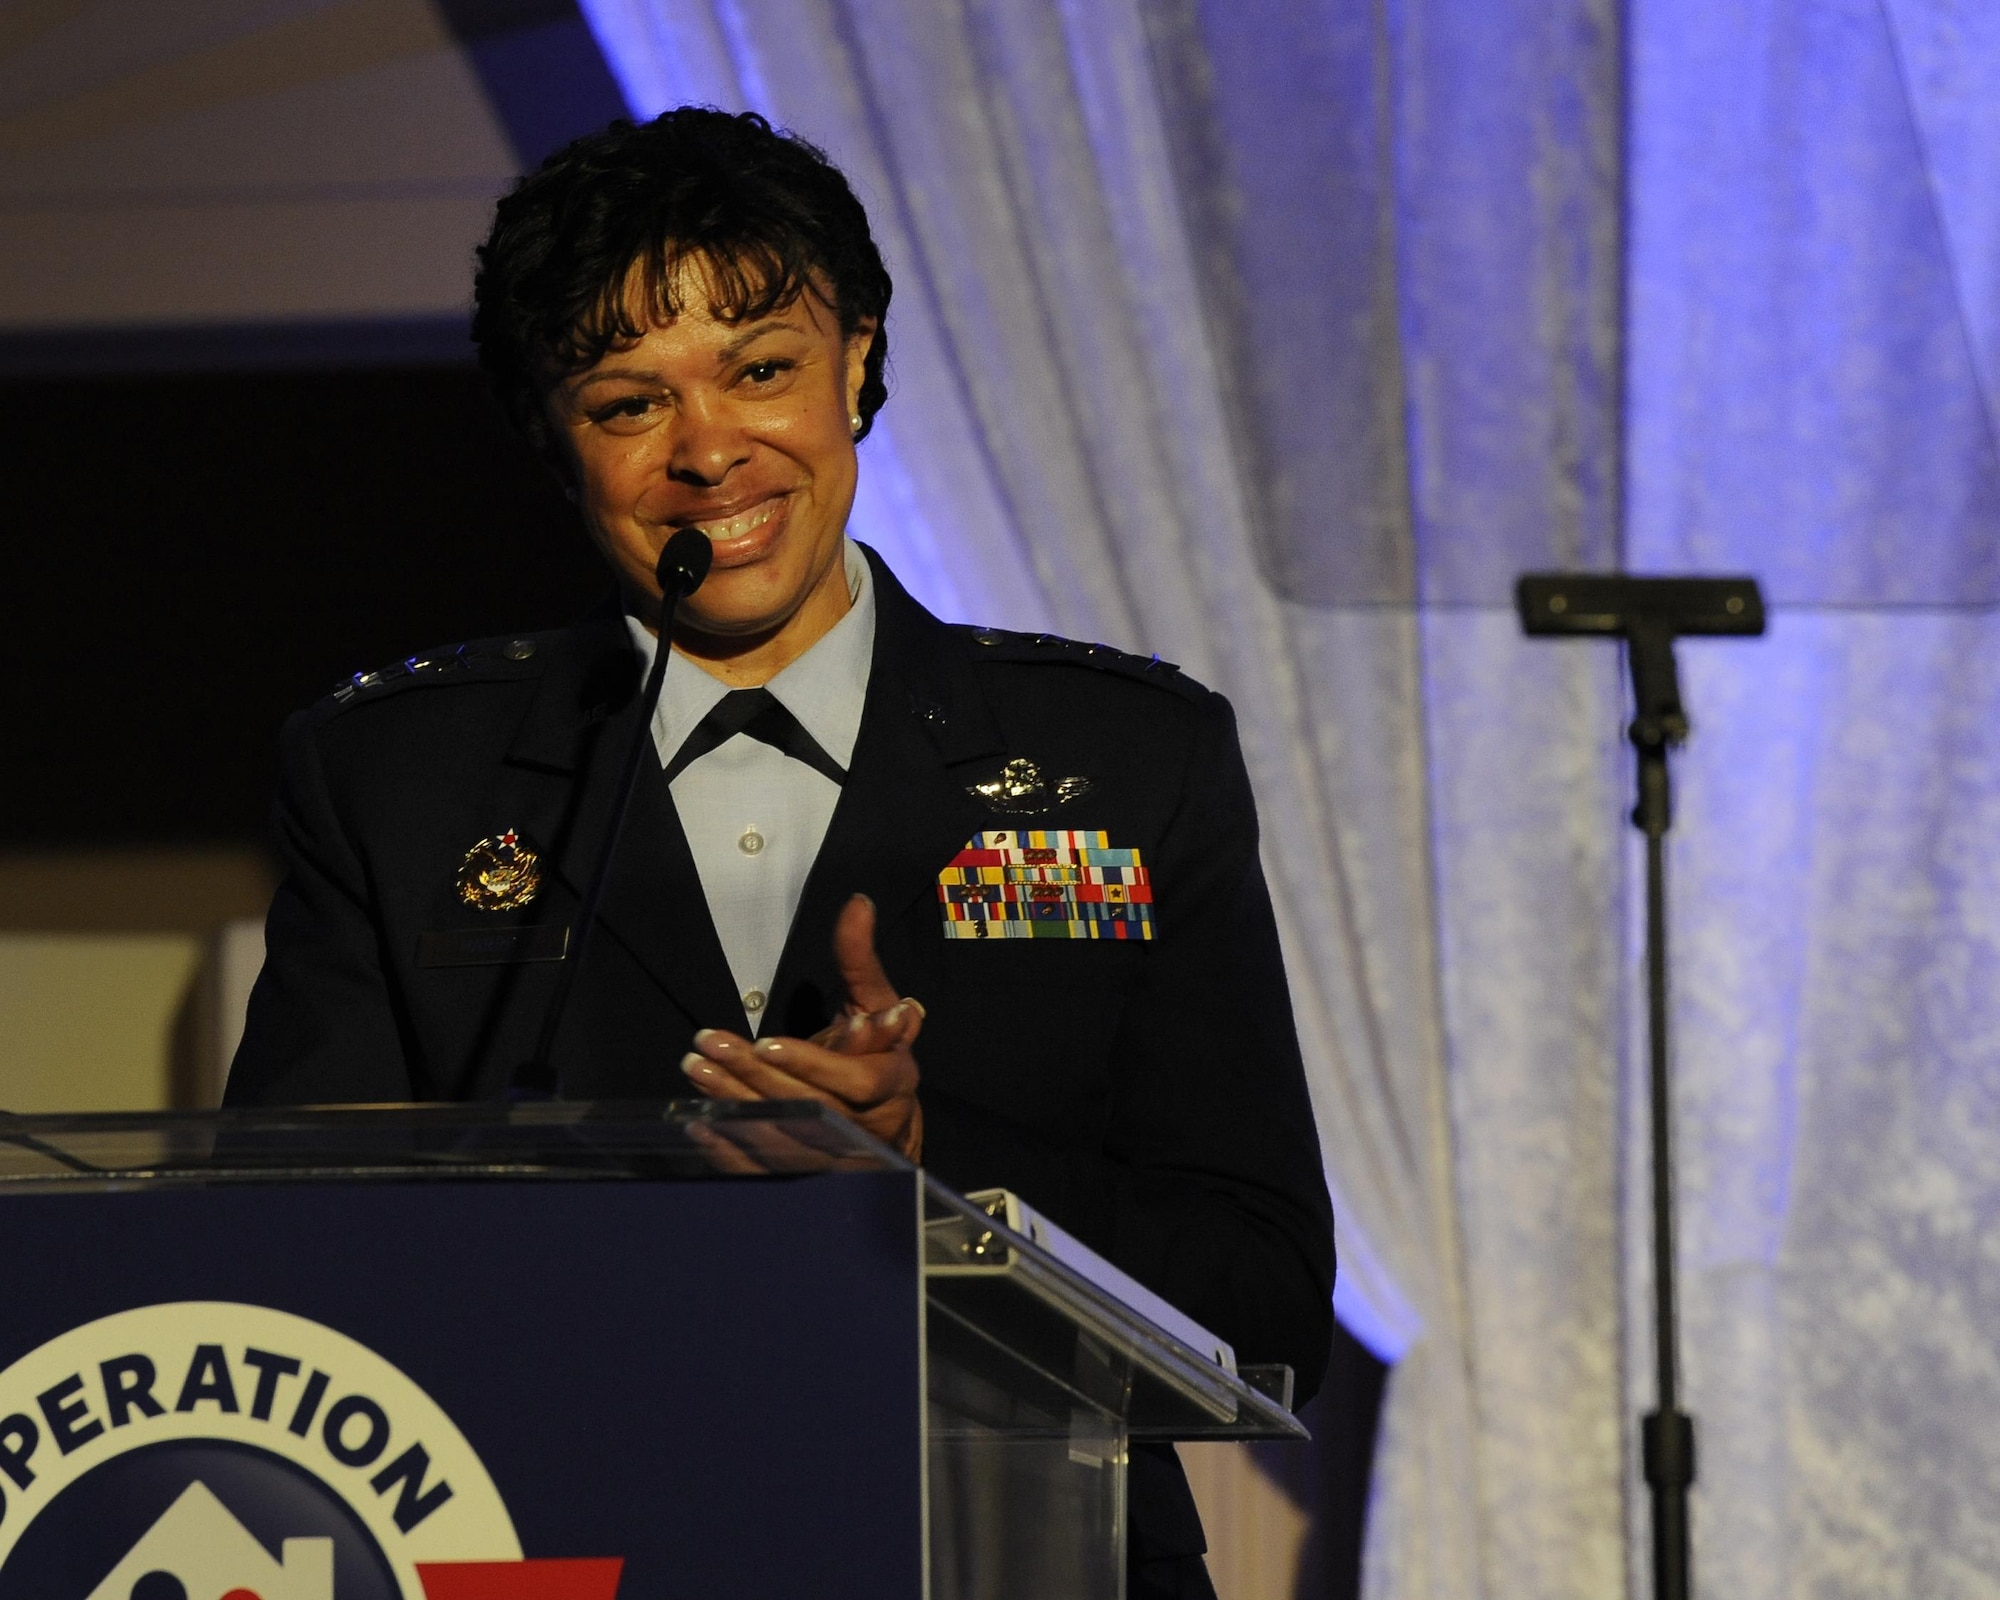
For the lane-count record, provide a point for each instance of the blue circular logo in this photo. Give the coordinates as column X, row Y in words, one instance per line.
column 197, row 1519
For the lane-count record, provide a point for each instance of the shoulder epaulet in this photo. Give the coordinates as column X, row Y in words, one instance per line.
column 998, row 644
column 459, row 663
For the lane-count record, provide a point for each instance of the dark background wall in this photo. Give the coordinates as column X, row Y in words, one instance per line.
column 191, row 557
column 245, row 451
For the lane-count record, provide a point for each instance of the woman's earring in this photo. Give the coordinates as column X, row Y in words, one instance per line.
column 854, row 424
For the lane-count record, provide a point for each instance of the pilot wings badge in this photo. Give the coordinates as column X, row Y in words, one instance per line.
column 1020, row 789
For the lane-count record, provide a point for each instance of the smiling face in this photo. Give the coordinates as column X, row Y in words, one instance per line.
column 740, row 429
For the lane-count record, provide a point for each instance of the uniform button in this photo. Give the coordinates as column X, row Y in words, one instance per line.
column 520, row 649
column 753, row 1001
column 751, row 841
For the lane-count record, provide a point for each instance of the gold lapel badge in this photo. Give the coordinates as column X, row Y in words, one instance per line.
column 1020, row 789
column 500, row 874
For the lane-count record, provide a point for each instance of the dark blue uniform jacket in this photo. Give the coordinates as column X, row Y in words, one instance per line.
column 1146, row 1094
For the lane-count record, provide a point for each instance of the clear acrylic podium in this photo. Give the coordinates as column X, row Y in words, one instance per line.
column 677, row 1336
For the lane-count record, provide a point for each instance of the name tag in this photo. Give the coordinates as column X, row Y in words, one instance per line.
column 491, row 947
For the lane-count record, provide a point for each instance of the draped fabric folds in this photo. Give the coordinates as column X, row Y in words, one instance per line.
column 1815, row 343
column 1276, row 336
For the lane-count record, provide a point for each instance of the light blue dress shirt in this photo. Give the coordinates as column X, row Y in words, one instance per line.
column 755, row 817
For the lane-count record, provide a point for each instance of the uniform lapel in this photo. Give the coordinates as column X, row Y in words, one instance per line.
column 577, row 733
column 903, row 812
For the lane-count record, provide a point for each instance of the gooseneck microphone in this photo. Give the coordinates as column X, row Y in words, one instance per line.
column 682, row 567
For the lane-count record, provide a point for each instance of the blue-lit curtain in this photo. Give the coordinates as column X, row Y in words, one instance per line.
column 1276, row 336
column 1815, row 359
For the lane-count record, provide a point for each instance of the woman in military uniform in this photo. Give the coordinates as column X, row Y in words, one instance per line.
column 1051, row 847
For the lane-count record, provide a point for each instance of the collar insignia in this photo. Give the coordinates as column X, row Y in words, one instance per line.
column 500, row 874
column 1020, row 789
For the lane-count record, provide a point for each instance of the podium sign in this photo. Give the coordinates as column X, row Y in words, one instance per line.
column 550, row 1353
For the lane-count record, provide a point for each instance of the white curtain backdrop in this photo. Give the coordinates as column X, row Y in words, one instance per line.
column 1815, row 343
column 1059, row 425
column 1277, row 336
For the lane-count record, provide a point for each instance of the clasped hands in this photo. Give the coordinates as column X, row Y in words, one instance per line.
column 859, row 1064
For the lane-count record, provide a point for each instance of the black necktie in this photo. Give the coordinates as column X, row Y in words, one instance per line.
column 762, row 715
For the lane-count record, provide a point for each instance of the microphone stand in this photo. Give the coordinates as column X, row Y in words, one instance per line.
column 1667, row 1433
column 1649, row 614
column 682, row 567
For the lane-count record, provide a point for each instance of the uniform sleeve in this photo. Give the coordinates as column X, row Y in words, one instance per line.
column 321, row 1026
column 1206, row 1182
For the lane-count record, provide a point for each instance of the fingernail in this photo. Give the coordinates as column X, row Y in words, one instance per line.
column 866, row 901
column 857, row 1022
column 918, row 1004
column 698, row 1066
column 769, row 1047
column 893, row 1017
column 712, row 1039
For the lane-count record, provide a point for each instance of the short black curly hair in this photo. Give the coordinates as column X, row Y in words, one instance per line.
column 766, row 212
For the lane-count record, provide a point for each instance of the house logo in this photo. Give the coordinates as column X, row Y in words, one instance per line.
column 213, row 1451
column 198, row 1547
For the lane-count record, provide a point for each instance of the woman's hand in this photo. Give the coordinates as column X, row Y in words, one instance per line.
column 861, row 1064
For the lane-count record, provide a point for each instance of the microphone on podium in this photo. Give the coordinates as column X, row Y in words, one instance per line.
column 683, row 564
